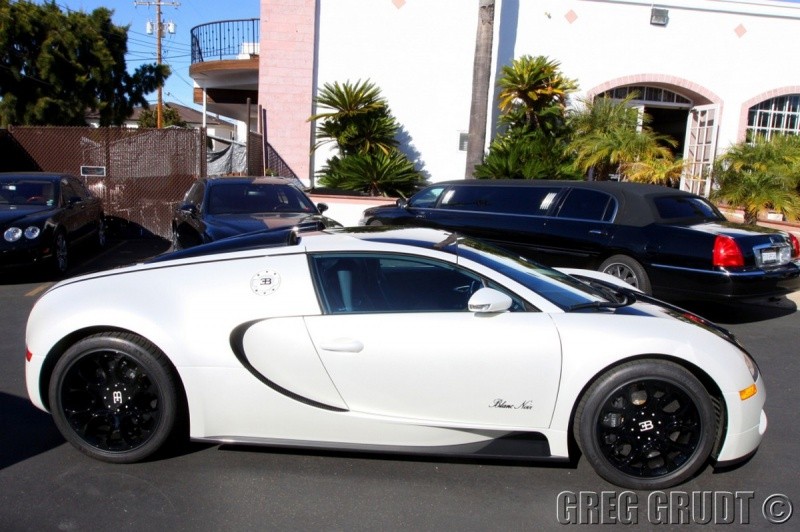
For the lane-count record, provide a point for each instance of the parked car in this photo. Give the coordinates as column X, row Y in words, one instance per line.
column 663, row 241
column 391, row 340
column 43, row 215
column 220, row 207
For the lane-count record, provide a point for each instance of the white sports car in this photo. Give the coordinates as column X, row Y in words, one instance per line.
column 390, row 340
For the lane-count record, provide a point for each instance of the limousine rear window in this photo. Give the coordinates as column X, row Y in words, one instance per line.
column 503, row 199
column 677, row 207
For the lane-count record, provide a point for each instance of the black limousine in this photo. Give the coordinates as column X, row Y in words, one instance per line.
column 664, row 241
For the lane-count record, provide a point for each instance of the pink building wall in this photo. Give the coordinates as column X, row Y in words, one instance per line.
column 286, row 74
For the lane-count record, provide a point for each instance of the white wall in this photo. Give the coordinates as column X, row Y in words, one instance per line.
column 420, row 53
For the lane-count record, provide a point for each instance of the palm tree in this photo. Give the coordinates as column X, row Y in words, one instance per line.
column 376, row 174
column 358, row 119
column 609, row 136
column 659, row 171
column 359, row 122
column 536, row 87
column 533, row 100
column 481, row 72
column 760, row 175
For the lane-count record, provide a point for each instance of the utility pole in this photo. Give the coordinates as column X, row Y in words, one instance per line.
column 159, row 30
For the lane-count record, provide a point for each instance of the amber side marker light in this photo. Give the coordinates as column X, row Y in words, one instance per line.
column 748, row 392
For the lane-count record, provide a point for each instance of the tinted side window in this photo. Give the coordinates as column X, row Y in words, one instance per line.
column 506, row 199
column 426, row 199
column 79, row 188
column 674, row 207
column 351, row 283
column 68, row 192
column 583, row 204
column 195, row 194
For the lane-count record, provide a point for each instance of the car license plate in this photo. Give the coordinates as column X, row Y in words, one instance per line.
column 769, row 255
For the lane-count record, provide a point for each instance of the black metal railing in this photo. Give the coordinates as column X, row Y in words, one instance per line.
column 225, row 39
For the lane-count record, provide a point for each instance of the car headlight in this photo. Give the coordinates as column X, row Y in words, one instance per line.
column 12, row 234
column 752, row 367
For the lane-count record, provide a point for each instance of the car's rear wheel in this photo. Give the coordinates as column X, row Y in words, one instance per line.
column 629, row 270
column 648, row 424
column 113, row 396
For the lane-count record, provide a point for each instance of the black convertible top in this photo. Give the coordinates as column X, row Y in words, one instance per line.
column 635, row 199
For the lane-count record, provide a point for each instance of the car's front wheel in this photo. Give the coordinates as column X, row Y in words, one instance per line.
column 647, row 424
column 113, row 396
column 629, row 270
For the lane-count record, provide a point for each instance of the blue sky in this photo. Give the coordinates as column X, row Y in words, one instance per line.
column 175, row 48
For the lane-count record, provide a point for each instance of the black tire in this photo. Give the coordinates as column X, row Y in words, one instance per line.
column 60, row 253
column 113, row 396
column 629, row 270
column 646, row 425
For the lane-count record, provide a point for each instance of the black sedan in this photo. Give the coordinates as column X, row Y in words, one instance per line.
column 671, row 243
column 42, row 215
column 220, row 207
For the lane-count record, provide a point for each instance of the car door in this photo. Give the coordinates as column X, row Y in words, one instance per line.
column 510, row 216
column 419, row 211
column 397, row 340
column 580, row 229
column 77, row 213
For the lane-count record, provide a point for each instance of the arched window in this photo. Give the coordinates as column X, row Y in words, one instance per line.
column 651, row 95
column 779, row 115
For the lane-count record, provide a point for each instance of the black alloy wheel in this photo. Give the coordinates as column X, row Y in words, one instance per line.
column 647, row 424
column 113, row 397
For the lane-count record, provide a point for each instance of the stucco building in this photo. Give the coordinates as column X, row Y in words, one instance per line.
column 706, row 70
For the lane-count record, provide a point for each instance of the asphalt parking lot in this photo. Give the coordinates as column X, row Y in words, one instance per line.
column 48, row 485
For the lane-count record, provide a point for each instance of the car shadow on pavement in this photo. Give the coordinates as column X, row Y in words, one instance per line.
column 742, row 311
column 117, row 253
column 25, row 431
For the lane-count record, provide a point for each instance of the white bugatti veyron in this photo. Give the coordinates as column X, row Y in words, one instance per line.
column 390, row 340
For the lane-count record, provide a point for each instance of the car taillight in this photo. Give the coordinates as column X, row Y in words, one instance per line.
column 28, row 355
column 795, row 245
column 727, row 253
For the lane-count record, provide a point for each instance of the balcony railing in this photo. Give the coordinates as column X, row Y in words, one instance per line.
column 225, row 39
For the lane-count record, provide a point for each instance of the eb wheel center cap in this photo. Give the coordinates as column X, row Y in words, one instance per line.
column 116, row 397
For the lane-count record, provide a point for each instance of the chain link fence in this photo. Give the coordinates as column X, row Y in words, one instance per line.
column 141, row 174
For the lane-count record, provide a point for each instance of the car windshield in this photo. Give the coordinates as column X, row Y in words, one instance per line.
column 249, row 198
column 558, row 288
column 27, row 193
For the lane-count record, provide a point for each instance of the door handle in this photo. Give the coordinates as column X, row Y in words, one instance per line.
column 343, row 345
column 598, row 232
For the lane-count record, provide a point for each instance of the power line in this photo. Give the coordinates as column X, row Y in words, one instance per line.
column 159, row 30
